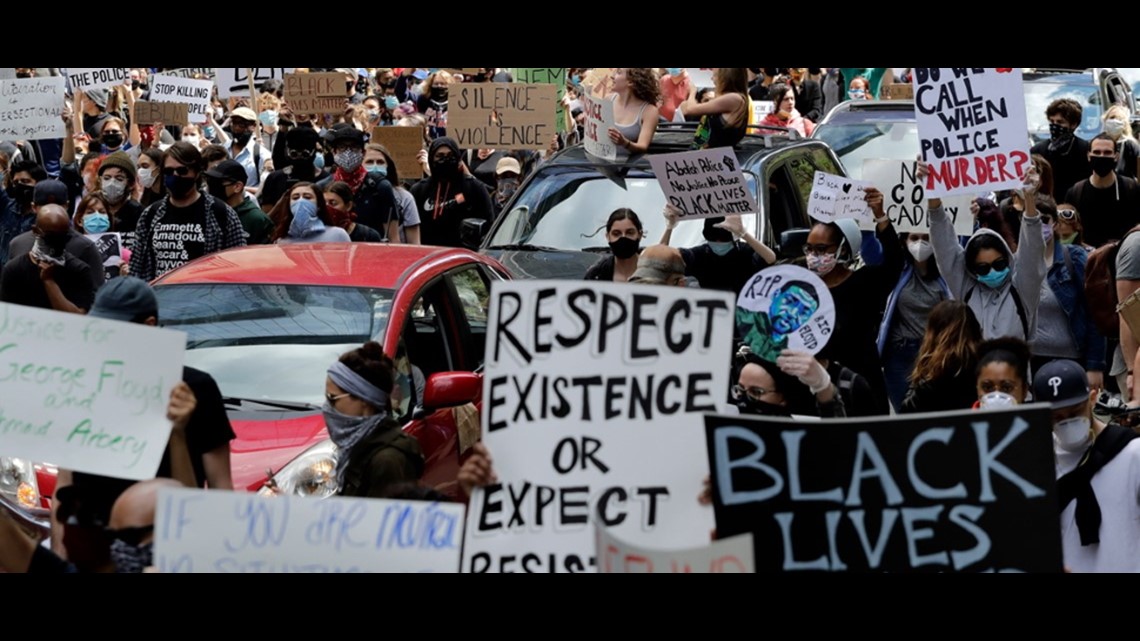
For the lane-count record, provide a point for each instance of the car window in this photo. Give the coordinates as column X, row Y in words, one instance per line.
column 472, row 290
column 858, row 142
column 1039, row 95
column 409, row 389
column 783, row 200
column 429, row 335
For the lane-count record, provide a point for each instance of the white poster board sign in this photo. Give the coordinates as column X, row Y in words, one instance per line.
column 88, row 78
column 599, row 120
column 193, row 93
column 761, row 109
column 704, row 184
column 834, row 197
column 785, row 307
column 235, row 81
column 972, row 128
column 593, row 396
column 209, row 531
column 701, row 76
column 904, row 199
column 86, row 394
column 32, row 108
column 729, row 556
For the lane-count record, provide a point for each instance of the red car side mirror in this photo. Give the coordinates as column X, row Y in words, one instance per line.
column 451, row 389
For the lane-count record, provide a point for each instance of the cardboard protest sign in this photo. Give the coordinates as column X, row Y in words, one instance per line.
column 958, row 492
column 110, row 246
column 904, row 199
column 591, row 393
column 599, row 120
column 599, row 81
column 899, row 91
column 32, row 108
column 88, row 78
column 195, row 94
column 85, row 393
column 501, row 115
column 972, row 128
column 315, row 93
column 465, row 70
column 235, row 81
column 834, row 197
column 191, row 72
column 785, row 307
column 551, row 76
column 199, row 531
column 168, row 113
column 728, row 556
column 403, row 143
column 704, row 183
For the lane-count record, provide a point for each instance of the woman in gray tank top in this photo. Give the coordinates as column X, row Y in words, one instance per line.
column 636, row 94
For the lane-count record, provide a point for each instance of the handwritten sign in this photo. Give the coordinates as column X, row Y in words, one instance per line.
column 315, row 93
column 958, row 492
column 502, row 115
column 110, row 246
column 195, row 94
column 972, row 128
column 834, row 197
column 904, row 199
column 403, row 144
column 86, row 79
column 206, row 73
column 148, row 112
column 591, row 394
column 703, row 184
column 599, row 120
column 728, row 556
column 899, row 91
column 551, row 76
column 32, row 108
column 235, row 81
column 198, row 531
column 85, row 393
column 761, row 109
column 785, row 307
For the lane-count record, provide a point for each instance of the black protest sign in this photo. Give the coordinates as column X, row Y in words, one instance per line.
column 960, row 492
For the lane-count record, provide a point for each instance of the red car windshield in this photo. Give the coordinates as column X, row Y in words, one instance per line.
column 272, row 342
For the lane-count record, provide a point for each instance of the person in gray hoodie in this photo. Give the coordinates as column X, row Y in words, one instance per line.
column 1003, row 289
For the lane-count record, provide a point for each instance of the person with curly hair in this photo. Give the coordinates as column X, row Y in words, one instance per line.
column 637, row 93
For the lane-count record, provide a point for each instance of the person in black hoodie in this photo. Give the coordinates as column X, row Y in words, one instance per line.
column 301, row 150
column 448, row 196
column 1067, row 153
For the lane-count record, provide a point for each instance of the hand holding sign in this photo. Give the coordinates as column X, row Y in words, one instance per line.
column 785, row 307
column 834, row 197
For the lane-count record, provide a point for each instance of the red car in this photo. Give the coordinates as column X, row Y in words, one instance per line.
column 267, row 321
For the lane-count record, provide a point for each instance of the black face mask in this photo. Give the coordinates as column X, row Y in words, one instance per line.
column 447, row 168
column 57, row 242
column 1103, row 165
column 623, row 248
column 180, row 186
column 439, row 94
column 760, row 408
column 112, row 140
column 1059, row 133
column 242, row 138
column 217, row 188
column 135, row 84
column 349, row 86
column 22, row 193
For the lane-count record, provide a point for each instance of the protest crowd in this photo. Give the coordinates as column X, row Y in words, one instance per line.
column 1017, row 291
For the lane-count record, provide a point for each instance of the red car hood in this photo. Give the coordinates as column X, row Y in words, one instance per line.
column 265, row 444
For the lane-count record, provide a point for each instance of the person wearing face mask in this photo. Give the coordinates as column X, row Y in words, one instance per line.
column 448, row 196
column 723, row 262
column 372, row 195
column 338, row 203
column 1002, row 377
column 1109, row 203
column 250, row 153
column 1065, row 328
column 831, row 251
column 302, row 216
column 508, row 177
column 187, row 224
column 859, row 89
column 1098, row 475
column 54, row 192
column 193, row 135
column 1066, row 152
column 91, row 219
column 404, row 225
column 675, row 86
column 113, row 137
column 17, row 213
column 908, row 308
column 796, row 385
column 873, row 78
column 269, row 111
column 302, row 154
column 149, row 174
column 48, row 276
column 432, row 103
column 117, row 176
column 226, row 182
column 944, row 378
column 353, row 96
column 624, row 234
column 374, row 453
column 1002, row 288
column 1118, row 126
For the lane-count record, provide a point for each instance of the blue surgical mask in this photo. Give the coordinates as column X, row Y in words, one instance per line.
column 721, row 249
column 268, row 118
column 673, row 71
column 208, row 132
column 319, row 161
column 1047, row 233
column 391, row 102
column 305, row 220
column 96, row 223
column 857, row 94
column 378, row 170
column 995, row 278
column 575, row 79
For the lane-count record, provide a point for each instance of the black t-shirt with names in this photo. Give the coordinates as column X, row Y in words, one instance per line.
column 127, row 220
column 180, row 236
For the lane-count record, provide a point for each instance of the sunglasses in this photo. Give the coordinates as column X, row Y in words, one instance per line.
column 132, row 536
column 181, row 171
column 1067, row 214
column 981, row 269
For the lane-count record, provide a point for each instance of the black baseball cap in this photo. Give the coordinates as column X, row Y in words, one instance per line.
column 229, row 170
column 1061, row 384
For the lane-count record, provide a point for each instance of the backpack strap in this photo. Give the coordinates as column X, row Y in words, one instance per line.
column 1077, row 483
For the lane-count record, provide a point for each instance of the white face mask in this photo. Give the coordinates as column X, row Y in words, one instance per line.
column 920, row 249
column 1073, row 434
column 192, row 139
column 1114, row 127
column 997, row 401
column 146, row 177
column 114, row 190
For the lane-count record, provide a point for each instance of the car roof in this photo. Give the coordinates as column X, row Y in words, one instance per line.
column 855, row 111
column 357, row 264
